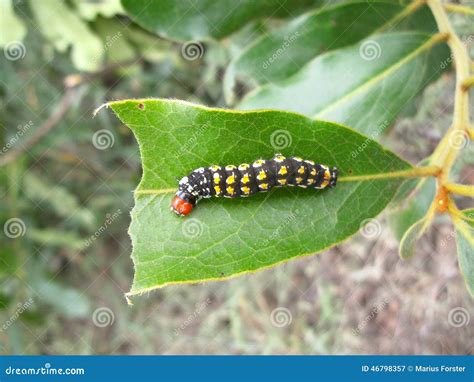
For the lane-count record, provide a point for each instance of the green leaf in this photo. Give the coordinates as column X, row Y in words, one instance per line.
column 411, row 236
column 61, row 26
column 364, row 86
column 465, row 247
column 223, row 238
column 200, row 19
column 414, row 208
column 284, row 52
column 12, row 29
column 89, row 10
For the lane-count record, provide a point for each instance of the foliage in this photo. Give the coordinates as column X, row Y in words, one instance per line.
column 64, row 189
column 391, row 59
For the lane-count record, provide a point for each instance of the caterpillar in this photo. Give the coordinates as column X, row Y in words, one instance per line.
column 247, row 179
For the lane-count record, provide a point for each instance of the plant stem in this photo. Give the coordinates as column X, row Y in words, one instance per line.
column 459, row 9
column 460, row 189
column 467, row 83
column 470, row 133
column 446, row 153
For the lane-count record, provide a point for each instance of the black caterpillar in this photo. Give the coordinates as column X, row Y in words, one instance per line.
column 247, row 179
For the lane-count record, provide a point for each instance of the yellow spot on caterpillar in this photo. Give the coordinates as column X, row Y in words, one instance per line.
column 230, row 179
column 261, row 175
column 298, row 159
column 215, row 168
column 217, row 178
column 327, row 174
column 313, row 172
column 283, row 170
column 279, row 158
column 244, row 166
column 299, row 180
column 245, row 190
column 282, row 181
column 264, row 186
column 257, row 163
column 301, row 170
column 324, row 183
column 310, row 162
column 230, row 190
column 230, row 167
column 217, row 189
column 245, row 179
column 310, row 181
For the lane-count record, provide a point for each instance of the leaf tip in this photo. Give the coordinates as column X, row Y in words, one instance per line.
column 106, row 105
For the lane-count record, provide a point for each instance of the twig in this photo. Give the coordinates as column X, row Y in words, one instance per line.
column 455, row 8
column 446, row 153
column 39, row 133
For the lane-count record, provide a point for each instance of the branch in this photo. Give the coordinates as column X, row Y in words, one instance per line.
column 455, row 8
column 446, row 153
column 460, row 189
column 39, row 133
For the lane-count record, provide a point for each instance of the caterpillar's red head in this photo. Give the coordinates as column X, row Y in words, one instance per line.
column 180, row 206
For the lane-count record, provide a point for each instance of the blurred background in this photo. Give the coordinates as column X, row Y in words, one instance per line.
column 66, row 183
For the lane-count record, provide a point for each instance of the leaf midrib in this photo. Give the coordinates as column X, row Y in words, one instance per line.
column 383, row 75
